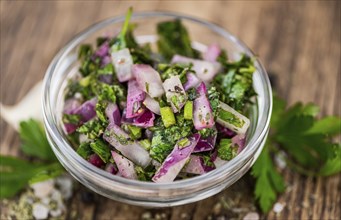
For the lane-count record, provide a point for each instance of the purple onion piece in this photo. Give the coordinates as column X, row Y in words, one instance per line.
column 240, row 141
column 126, row 168
column 212, row 53
column 218, row 162
column 70, row 128
column 148, row 79
column 103, row 50
column 134, row 100
column 105, row 61
column 204, row 70
column 224, row 132
column 152, row 104
column 70, row 106
column 202, row 113
column 175, row 91
column 197, row 165
column 87, row 110
column 145, row 120
column 113, row 113
column 122, row 62
column 207, row 144
column 176, row 160
column 111, row 168
column 95, row 160
column 131, row 149
column 192, row 81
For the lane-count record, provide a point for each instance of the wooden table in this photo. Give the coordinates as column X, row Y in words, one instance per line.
column 299, row 42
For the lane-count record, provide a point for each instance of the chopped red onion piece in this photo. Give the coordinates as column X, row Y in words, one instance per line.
column 212, row 52
column 148, row 79
column 192, row 81
column 202, row 113
column 134, row 99
column 196, row 165
column 145, row 120
column 205, row 144
column 126, row 168
column 95, row 160
column 87, row 110
column 176, row 160
column 122, row 62
column 113, row 113
column 175, row 93
column 131, row 149
column 218, row 162
column 152, row 104
column 111, row 168
column 240, row 141
column 70, row 128
column 103, row 50
column 224, row 132
column 71, row 105
column 205, row 70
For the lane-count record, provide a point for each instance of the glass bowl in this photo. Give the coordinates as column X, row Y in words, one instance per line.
column 149, row 194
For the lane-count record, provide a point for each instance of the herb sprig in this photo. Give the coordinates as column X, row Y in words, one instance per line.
column 17, row 173
column 307, row 144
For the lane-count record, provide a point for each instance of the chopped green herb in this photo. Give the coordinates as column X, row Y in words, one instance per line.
column 167, row 116
column 184, row 142
column 225, row 149
column 101, row 149
column 135, row 132
column 235, row 85
column 188, row 110
column 174, row 39
column 146, row 144
column 230, row 118
column 92, row 129
column 84, row 150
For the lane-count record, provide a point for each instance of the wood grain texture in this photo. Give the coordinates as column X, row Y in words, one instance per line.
column 299, row 42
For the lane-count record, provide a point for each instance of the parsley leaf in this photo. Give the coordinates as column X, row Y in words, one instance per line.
column 34, row 141
column 16, row 173
column 225, row 149
column 235, row 82
column 305, row 139
column 268, row 181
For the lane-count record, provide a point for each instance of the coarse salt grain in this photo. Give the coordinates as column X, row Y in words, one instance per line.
column 40, row 211
column 43, row 189
column 278, row 207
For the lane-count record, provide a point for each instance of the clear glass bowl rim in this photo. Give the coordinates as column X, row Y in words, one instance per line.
column 251, row 147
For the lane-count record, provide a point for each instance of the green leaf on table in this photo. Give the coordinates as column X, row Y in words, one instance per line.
column 268, row 181
column 50, row 171
column 305, row 140
column 333, row 164
column 15, row 174
column 34, row 141
column 304, row 137
column 329, row 126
